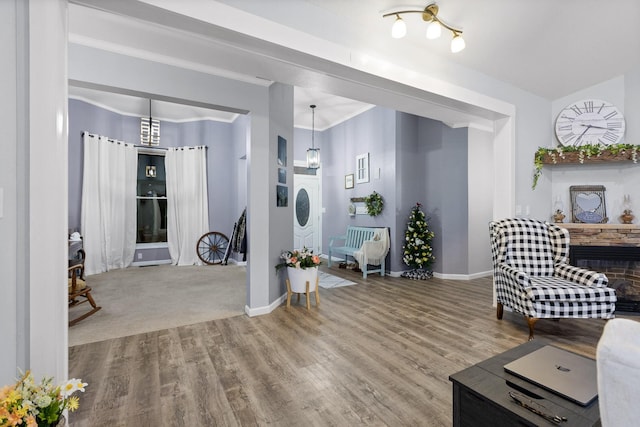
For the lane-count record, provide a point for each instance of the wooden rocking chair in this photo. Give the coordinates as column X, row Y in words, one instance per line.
column 79, row 292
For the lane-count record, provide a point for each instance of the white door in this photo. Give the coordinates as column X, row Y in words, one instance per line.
column 306, row 212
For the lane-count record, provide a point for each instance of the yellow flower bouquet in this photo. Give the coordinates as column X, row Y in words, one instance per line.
column 36, row 405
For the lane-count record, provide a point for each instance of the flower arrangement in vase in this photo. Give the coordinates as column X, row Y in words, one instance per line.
column 36, row 405
column 299, row 259
column 302, row 267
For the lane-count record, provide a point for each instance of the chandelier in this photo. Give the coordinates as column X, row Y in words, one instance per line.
column 149, row 130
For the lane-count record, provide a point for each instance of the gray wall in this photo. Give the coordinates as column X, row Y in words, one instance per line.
column 221, row 159
column 410, row 178
column 94, row 68
column 11, row 124
column 280, row 124
column 430, row 167
column 371, row 132
column 445, row 157
column 418, row 160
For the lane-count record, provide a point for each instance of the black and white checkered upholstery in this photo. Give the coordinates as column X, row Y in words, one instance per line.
column 531, row 273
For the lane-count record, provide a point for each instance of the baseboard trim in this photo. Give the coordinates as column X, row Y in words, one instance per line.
column 450, row 276
column 149, row 263
column 462, row 276
column 259, row 311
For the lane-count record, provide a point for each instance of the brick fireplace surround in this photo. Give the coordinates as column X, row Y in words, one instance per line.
column 613, row 249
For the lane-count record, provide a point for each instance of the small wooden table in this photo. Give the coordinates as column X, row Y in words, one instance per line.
column 480, row 396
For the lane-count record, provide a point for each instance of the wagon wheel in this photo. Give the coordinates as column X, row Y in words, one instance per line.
column 211, row 247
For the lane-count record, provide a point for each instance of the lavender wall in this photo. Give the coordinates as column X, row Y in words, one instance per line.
column 446, row 196
column 412, row 159
column 221, row 157
column 410, row 178
column 371, row 132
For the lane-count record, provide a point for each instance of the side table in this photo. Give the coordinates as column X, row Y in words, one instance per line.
column 480, row 396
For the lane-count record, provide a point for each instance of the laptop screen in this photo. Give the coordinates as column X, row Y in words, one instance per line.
column 567, row 374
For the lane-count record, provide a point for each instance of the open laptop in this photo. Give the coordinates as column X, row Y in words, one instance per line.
column 562, row 372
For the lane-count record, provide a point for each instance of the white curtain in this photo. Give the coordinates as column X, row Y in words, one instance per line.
column 108, row 203
column 187, row 202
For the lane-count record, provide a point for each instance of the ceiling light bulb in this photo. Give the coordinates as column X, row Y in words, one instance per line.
column 434, row 30
column 457, row 44
column 399, row 29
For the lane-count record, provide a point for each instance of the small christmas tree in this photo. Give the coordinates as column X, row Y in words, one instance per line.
column 417, row 251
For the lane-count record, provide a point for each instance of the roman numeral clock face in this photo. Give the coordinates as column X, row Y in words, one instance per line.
column 590, row 122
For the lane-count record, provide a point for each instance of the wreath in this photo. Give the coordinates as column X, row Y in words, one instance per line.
column 374, row 203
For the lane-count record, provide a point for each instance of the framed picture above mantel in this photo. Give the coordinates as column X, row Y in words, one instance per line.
column 588, row 204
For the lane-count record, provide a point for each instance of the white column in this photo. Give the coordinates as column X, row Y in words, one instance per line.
column 47, row 189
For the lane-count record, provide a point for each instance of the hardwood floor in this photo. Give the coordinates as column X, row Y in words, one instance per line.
column 376, row 353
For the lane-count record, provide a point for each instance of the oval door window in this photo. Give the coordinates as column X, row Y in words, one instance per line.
column 302, row 207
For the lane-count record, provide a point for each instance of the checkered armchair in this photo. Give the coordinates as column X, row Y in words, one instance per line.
column 532, row 277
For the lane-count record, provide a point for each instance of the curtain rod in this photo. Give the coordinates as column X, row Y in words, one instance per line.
column 99, row 136
column 146, row 147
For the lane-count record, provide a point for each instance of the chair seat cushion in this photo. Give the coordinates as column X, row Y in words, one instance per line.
column 556, row 289
column 80, row 284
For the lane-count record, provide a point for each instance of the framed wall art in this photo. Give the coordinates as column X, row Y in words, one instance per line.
column 362, row 168
column 282, row 151
column 588, row 204
column 348, row 181
column 282, row 196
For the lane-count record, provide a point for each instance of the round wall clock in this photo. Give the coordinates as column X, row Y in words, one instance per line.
column 591, row 121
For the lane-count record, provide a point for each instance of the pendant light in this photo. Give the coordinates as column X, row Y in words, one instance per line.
column 149, row 130
column 313, row 153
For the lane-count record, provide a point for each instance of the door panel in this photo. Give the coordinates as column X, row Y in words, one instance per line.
column 306, row 212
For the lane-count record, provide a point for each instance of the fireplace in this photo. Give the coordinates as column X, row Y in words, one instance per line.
column 613, row 249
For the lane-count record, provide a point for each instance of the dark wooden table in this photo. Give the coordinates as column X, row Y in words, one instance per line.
column 480, row 396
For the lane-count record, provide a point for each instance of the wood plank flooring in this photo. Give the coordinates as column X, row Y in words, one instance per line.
column 377, row 353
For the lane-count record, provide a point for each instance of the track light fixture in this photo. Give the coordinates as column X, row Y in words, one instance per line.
column 434, row 30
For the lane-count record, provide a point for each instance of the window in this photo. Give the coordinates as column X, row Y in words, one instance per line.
column 151, row 198
column 362, row 168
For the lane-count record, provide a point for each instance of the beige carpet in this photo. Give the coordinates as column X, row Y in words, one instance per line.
column 143, row 299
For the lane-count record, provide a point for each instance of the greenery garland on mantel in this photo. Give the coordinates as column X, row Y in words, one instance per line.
column 582, row 154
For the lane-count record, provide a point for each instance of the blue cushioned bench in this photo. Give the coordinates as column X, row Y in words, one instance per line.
column 353, row 239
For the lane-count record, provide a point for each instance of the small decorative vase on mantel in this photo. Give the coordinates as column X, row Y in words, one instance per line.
column 558, row 216
column 302, row 281
column 627, row 217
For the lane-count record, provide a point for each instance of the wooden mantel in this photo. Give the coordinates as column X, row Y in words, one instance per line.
column 603, row 234
column 574, row 157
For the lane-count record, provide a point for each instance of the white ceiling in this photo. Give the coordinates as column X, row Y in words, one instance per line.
column 547, row 47
column 550, row 48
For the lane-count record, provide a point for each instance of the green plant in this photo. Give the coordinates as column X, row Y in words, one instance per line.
column 374, row 203
column 299, row 259
column 31, row 404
